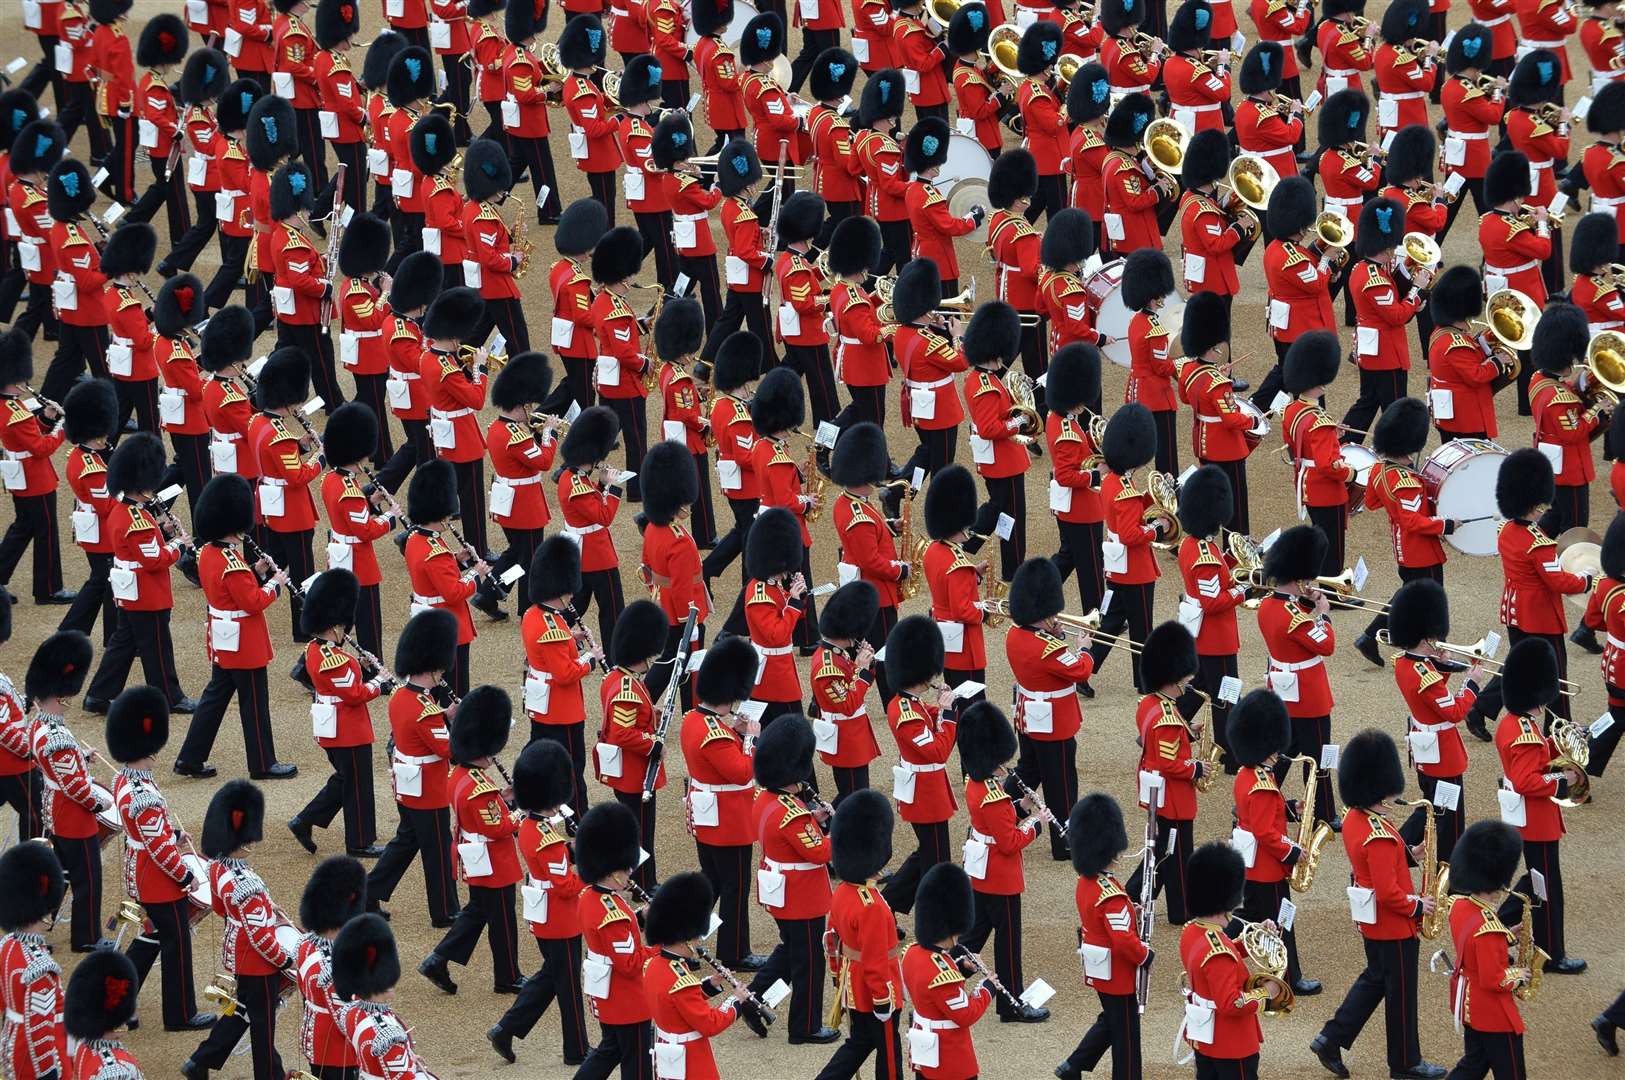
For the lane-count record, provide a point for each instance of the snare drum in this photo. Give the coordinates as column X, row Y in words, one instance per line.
column 201, row 895
column 1104, row 296
column 743, row 12
column 1362, row 459
column 967, row 160
column 1460, row 476
column 1261, row 420
column 108, row 823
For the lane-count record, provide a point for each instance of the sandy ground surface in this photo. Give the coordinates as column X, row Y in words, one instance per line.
column 448, row 1030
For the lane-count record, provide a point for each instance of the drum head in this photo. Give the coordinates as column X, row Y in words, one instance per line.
column 201, row 894
column 966, row 194
column 967, row 160
column 1105, row 289
column 744, row 12
column 782, row 74
column 1467, row 495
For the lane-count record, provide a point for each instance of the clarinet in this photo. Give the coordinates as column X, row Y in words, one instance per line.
column 1043, row 812
column 961, row 952
column 370, row 660
column 739, row 988
column 260, row 553
column 814, row 801
column 168, row 524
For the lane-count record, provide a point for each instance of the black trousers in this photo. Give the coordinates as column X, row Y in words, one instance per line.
column 1210, row 1068
column 169, row 940
column 731, row 544
column 729, row 869
column 1210, row 672
column 259, row 995
column 702, row 523
column 34, row 523
column 417, row 446
column 348, row 788
column 1117, row 1029
column 95, row 598
column 353, row 156
column 1379, row 621
column 602, row 186
column 1571, row 508
column 897, row 241
column 521, row 549
column 192, row 456
column 633, row 414
column 471, row 498
column 1542, row 856
column 796, row 960
column 137, row 633
column 1009, row 494
column 45, row 72
column 573, row 738
column 23, row 792
column 140, row 399
column 80, row 109
column 426, row 834
column 936, row 449
column 867, row 1035
column 1050, row 198
column 509, row 315
column 492, row 911
column 603, row 587
column 644, row 875
column 1310, row 734
column 190, row 245
column 1334, row 522
column 931, row 847
column 999, row 915
column 372, row 391
column 742, row 310
column 536, row 154
column 233, row 255
column 812, row 362
column 558, row 980
column 369, row 620
column 702, row 270
column 1378, row 390
column 1236, row 473
column 1167, row 440
column 1389, row 978
column 1490, row 1053
column 629, row 1046
column 1052, row 767
column 813, row 42
column 1170, row 862
column 168, row 190
column 318, row 345
column 250, row 688
column 81, row 861
column 656, row 230
column 1132, row 609
column 1080, row 551
column 1448, row 824
column 459, row 80
column 295, row 552
column 1262, row 900
column 459, row 674
column 1604, row 745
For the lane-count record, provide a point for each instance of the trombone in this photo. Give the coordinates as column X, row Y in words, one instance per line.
column 771, row 170
column 1480, row 653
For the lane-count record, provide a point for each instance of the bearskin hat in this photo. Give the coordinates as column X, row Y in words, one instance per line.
column 1169, row 655
column 670, row 481
column 1214, row 878
column 428, row 642
column 1095, row 833
column 1419, row 611
column 738, row 360
column 1131, row 438
column 738, row 167
column 1595, row 243
column 284, row 381
column 883, row 98
column 1470, row 47
column 1311, row 361
column 1537, row 79
column 225, row 508
column 582, row 43
column 606, row 840
column 205, row 77
column 1127, row 121
column 1529, row 678
column 33, row 885
column 1090, row 95
column 1261, row 68
column 710, row 16
column 985, row 739
column 993, row 335
column 1040, row 47
column 130, row 249
column 91, row 411
column 1207, row 316
column 762, row 40
column 1014, row 177
column 860, row 835
column 163, row 42
column 365, row 963
column 913, row 651
column 1411, row 154
column 432, row 143
column 640, row 632
column 380, row 56
column 351, row 434
column 1561, row 337
column 1613, row 549
column 179, row 306
column 1457, row 295
column 1486, row 858
column 1035, row 592
column 1191, row 27
column 592, row 437
column 1291, row 209
column 1207, row 157
column 1069, row 239
column 18, row 109
column 137, row 724
column 480, row 724
column 486, row 172
column 108, row 12
column 292, row 190
column 520, row 21
column 945, row 905
column 727, row 672
column 236, row 817
column 950, row 502
column 1369, row 770
column 672, row 142
column 1074, row 377
column 1297, row 555
column 855, row 246
column 454, row 315
column 1607, row 113
column 1119, row 16
column 849, row 612
column 640, row 81
column 555, row 571
column 680, row 330
column 1402, row 429
column 800, row 217
column 16, row 357
column 859, row 457
column 68, row 190
column 415, row 283
column 1403, row 20
column 918, row 290
column 330, row 601
column 967, row 31
column 1147, row 276
column 679, row 911
column 617, row 256
column 136, row 465
column 101, row 994
column 582, row 224
column 784, row 752
column 833, row 74
column 543, row 776
column 1507, row 178
column 335, row 894
column 1258, row 727
column 780, row 403
column 411, row 75
column 336, row 21
column 1206, row 502
column 37, row 148
column 926, row 146
column 1381, row 227
column 1343, row 119
column 270, row 135
column 525, row 379
column 773, row 545
column 431, row 495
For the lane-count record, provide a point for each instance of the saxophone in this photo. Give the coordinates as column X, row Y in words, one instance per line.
column 909, row 587
column 1311, row 837
column 1530, row 957
column 814, row 482
column 518, row 242
column 1435, row 874
column 1208, row 752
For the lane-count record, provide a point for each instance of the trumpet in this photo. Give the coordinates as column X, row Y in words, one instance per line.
column 1147, row 46
column 1526, row 213
column 1419, row 46
column 1287, row 104
column 1549, row 112
column 1488, row 84
column 1076, row 625
column 771, row 170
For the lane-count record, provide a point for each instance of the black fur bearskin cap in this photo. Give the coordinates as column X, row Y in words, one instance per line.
column 1419, row 611
column 365, row 961
column 1096, row 834
column 985, row 740
column 351, row 434
column 1369, row 772
column 543, row 776
column 235, row 819
column 679, row 911
column 849, row 612
column 101, row 995
column 639, row 634
column 606, row 842
column 727, row 672
column 427, row 643
column 31, row 885
column 90, row 411
column 480, row 725
column 671, row 483
column 914, row 652
column 1402, row 429
column 861, row 835
column 225, row 508
column 137, row 724
column 1258, row 728
column 335, row 894
column 1214, row 879
column 1486, row 858
column 945, row 905
column 330, row 601
column 784, row 754
column 555, row 571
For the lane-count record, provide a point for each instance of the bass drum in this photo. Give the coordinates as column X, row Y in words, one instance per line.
column 1460, row 476
column 967, row 160
column 1104, row 296
column 744, row 12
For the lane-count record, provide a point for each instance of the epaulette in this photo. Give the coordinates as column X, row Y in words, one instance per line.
column 1538, row 539
column 961, row 560
column 1492, row 921
column 793, row 809
column 1294, row 255
column 403, row 329
column 758, row 594
column 1052, row 644
column 547, row 835
column 1263, row 780
column 860, row 509
column 985, row 385
column 1378, row 281
column 906, row 712
column 866, row 896
column 518, row 433
column 1527, row 735
column 1091, row 141
column 1109, row 889
column 1170, row 716
column 1380, row 829
column 1297, row 617
column 686, row 978
column 126, row 299
column 947, row 974
column 92, row 464
column 714, row 730
column 1069, row 431
column 1216, row 946
column 1126, row 491
column 579, row 486
column 437, row 547
column 144, row 797
column 1156, row 329
column 332, row 658
column 428, row 706
column 627, row 693
column 234, row 562
column 995, row 793
column 449, row 364
column 745, row 211
column 1426, row 675
column 1207, row 555
column 613, row 912
column 482, row 783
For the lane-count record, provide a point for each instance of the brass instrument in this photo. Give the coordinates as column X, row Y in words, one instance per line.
column 1097, row 437
column 1285, row 104
column 909, row 587
column 1267, row 949
column 552, row 67
column 1605, row 368
column 1421, row 252
column 1211, row 58
column 1549, row 112
column 1003, row 44
column 938, row 13
column 1164, row 492
column 995, row 602
column 1146, row 45
column 1164, row 144
column 814, row 483
column 1208, row 752
column 612, row 85
column 1334, row 233
column 957, row 306
column 1252, row 179
column 519, row 241
column 1573, row 752
column 648, row 319
column 1312, row 837
column 1435, row 874
column 1024, row 407
column 1066, row 68
column 1417, row 46
column 1488, row 84
column 1526, row 214
column 1341, row 588
column 771, row 170
column 1079, row 625
column 1512, row 319
column 1531, row 957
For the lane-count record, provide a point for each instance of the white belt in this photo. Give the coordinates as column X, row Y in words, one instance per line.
column 18, row 455
column 622, row 12
column 221, row 613
column 427, row 601
column 1614, row 641
column 125, row 564
column 1598, row 200
column 1612, row 324
column 14, row 1017
column 1116, row 89
column 343, row 538
column 855, row 341
column 228, row 436
column 582, row 530
column 600, row 957
column 672, row 1037
column 1209, row 419
column 781, row 867
column 913, row 384
column 1301, row 665
column 520, row 481
column 1494, row 22
column 1046, row 695
column 418, row 759
column 273, row 481
column 1508, row 271
column 689, row 217
column 1409, row 95
column 861, row 712
column 365, row 333
column 1541, row 164
column 397, row 373
column 981, row 837
column 717, row 789
column 1531, row 43
column 909, row 766
column 1472, row 135
column 328, row 699
column 440, row 414
column 1339, row 73
column 775, row 650
column 1337, row 200
column 1211, row 106
column 934, row 1025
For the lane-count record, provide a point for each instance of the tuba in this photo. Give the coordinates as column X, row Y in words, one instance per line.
column 1312, row 838
column 1435, row 874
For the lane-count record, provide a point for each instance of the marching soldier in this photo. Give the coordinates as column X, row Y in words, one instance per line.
column 1462, row 373
column 179, row 307
column 302, row 278
column 80, row 299
column 1295, row 623
column 1470, row 111
column 644, row 187
column 1348, row 168
column 692, row 201
column 1001, row 828
column 111, row 71
column 1167, row 728
column 1538, row 777
column 73, row 804
column 20, row 784
column 1384, row 303
column 559, row 654
column 862, row 939
column 545, row 783
column 607, row 853
column 269, row 137
column 804, row 304
column 294, row 76
column 1070, row 386
column 1131, row 219
column 867, row 543
column 957, row 528
column 837, row 172
column 773, row 615
column 862, row 363
column 1214, row 238
column 1129, row 445
column 126, row 258
column 1000, row 433
column 366, row 325
column 1320, row 475
column 424, row 653
column 627, row 734
column 718, row 748
column 880, row 113
column 521, row 453
column 1263, row 126
column 456, row 388
column 1131, row 68
column 1049, row 671
column 198, row 93
column 581, row 225
column 718, row 67
column 30, row 981
column 335, row 894
column 238, row 642
column 679, row 334
column 491, row 259
column 944, row 979
column 1223, row 435
column 515, row 74
column 342, row 97
column 925, row 152
column 749, row 256
column 433, row 145
column 487, row 850
column 1259, row 733
column 1403, row 78
column 356, row 519
column 143, row 552
column 90, row 421
column 341, row 716
column 594, row 130
column 250, row 950
column 1109, row 939
column 1299, row 274
column 1592, row 251
column 589, row 498
column 284, row 475
column 1386, row 907
column 40, row 145
column 1226, row 1036
column 777, row 409
column 157, row 875
column 622, row 368
column 161, row 47
column 1148, row 282
column 1566, row 414
column 733, row 376
column 792, row 879
column 924, row 729
column 1605, row 612
column 1345, row 49
column 1418, row 619
column 1067, row 244
column 100, row 999
column 842, row 671
column 1014, row 244
column 366, row 968
column 438, row 577
column 1486, row 979
column 1208, row 606
column 1088, row 101
column 925, row 353
column 234, row 217
column 410, row 86
column 1198, row 91
column 1535, row 85
column 670, row 560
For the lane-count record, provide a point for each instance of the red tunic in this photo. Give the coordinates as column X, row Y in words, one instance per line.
column 1605, row 611
column 1379, row 861
column 935, row 227
column 1151, row 371
column 691, row 204
column 1045, row 124
column 1470, row 114
column 867, row 543
column 283, row 472
column 747, row 257
column 488, row 258
column 1543, row 145
column 1197, row 93
column 72, row 801
column 1526, row 757
column 1109, row 920
column 406, row 367
column 1126, row 67
column 139, row 547
column 87, row 477
column 866, row 930
column 1283, row 22
column 643, row 186
column 1343, row 56
column 773, row 116
column 955, row 583
column 588, row 511
column 438, row 581
column 1545, row 24
column 720, row 789
column 1047, row 671
column 342, row 95
column 1131, row 205
column 720, row 81
column 341, row 685
column 130, row 356
column 519, row 461
column 320, row 1039
column 1074, row 493
column 235, row 597
column 929, row 362
column 944, row 1009
column 1298, row 644
column 154, row 872
column 1125, row 525
column 546, row 851
column 1459, row 366
column 1311, row 438
column 455, row 398
column 1513, row 253
column 1484, row 978
column 925, row 742
column 97, row 1057
column 78, row 257
column 1209, row 584
column 248, row 944
column 1535, row 582
column 685, row 1021
column 1600, row 300
column 300, row 269
column 993, row 822
column 860, row 356
column 1261, row 812
column 838, row 690
column 382, row 1044
column 771, row 619
column 736, row 439
column 571, row 289
column 779, row 477
column 514, row 72
column 1347, row 178
column 610, row 936
column 1087, row 160
column 1165, row 749
column 620, row 341
column 178, row 361
column 1403, row 79
column 1435, row 710
column 837, row 172
column 919, row 53
column 1014, row 245
column 887, row 180
column 801, row 287
column 555, row 665
column 1563, row 420
column 1219, row 431
column 483, row 817
column 792, row 845
column 1271, row 133
column 974, row 100
column 994, row 447
column 34, row 1042
column 352, row 527
column 1216, row 974
column 1413, row 521
column 1210, row 240
column 419, row 725
column 629, row 725
column 592, row 116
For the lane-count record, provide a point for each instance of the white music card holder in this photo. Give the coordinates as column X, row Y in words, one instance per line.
column 408, row 779
column 975, row 858
column 510, row 113
column 225, row 635
column 902, row 784
column 770, row 887
column 1362, row 904
column 608, row 371
column 1513, row 810
column 609, row 759
column 1246, row 844
column 324, row 720
column 534, row 898
column 538, row 691
column 124, row 583
column 702, row 808
column 1424, row 747
column 340, row 556
column 500, row 498
column 826, row 736
column 1060, row 497
column 1097, row 961
column 87, row 525
column 595, row 976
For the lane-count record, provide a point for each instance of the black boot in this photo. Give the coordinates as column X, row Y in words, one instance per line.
column 1586, row 638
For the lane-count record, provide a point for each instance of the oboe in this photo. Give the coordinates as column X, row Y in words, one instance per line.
column 961, row 952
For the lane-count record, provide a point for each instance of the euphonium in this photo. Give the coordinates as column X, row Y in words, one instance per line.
column 1311, row 837
column 1435, row 875
column 1530, row 956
